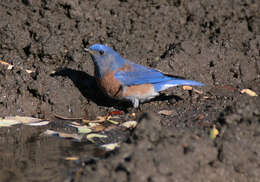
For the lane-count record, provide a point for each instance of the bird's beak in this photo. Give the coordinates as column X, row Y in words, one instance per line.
column 89, row 51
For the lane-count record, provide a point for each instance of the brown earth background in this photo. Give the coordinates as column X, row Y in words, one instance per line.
column 214, row 42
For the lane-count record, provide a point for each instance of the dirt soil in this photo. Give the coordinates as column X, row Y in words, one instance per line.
column 214, row 42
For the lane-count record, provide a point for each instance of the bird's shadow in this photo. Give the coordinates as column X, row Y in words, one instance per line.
column 88, row 87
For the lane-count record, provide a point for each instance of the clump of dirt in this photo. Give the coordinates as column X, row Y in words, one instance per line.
column 216, row 43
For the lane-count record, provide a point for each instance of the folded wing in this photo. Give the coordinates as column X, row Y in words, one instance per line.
column 143, row 75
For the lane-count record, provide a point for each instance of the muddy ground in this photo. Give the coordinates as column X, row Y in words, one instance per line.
column 214, row 42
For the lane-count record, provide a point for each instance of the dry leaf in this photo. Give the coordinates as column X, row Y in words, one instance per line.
column 29, row 71
column 213, row 132
column 75, row 123
column 7, row 123
column 110, row 146
column 62, row 135
column 90, row 137
column 249, row 92
column 186, row 87
column 53, row 72
column 10, row 67
column 42, row 123
column 129, row 124
column 100, row 119
column 6, row 64
column 29, row 120
column 82, row 129
column 193, row 89
column 72, row 158
column 93, row 124
column 167, row 112
column 116, row 113
column 24, row 119
column 113, row 122
column 12, row 120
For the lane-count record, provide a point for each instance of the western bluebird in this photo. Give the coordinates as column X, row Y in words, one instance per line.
column 122, row 79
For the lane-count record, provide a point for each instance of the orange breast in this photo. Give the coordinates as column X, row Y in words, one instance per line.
column 139, row 90
column 110, row 85
column 113, row 88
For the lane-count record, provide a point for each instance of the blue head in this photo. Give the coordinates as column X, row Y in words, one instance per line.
column 105, row 59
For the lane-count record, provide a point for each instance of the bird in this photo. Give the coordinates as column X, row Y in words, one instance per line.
column 122, row 79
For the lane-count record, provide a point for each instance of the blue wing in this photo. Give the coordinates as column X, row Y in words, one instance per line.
column 143, row 75
column 140, row 75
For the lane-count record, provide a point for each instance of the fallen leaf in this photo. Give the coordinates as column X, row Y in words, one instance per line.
column 75, row 123
column 28, row 120
column 42, row 123
column 129, row 124
column 10, row 67
column 7, row 123
column 104, row 118
column 91, row 137
column 113, row 122
column 5, row 63
column 71, row 158
column 62, row 135
column 53, row 72
column 186, row 87
column 213, row 133
column 116, row 113
column 110, row 146
column 167, row 112
column 100, row 119
column 249, row 92
column 82, row 129
column 29, row 71
column 12, row 120
column 206, row 97
column 24, row 119
column 93, row 124
column 193, row 89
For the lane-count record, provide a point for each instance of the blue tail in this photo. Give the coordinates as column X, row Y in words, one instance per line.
column 174, row 82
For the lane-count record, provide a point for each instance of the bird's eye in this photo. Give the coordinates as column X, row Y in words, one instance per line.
column 101, row 52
